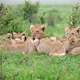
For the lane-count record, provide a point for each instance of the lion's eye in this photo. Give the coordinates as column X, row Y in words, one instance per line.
column 73, row 41
column 77, row 31
column 43, row 29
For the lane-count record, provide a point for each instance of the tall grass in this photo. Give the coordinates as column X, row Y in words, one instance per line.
column 16, row 66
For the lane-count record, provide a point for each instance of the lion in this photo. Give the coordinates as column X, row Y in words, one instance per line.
column 57, row 47
column 51, row 47
column 20, row 43
column 72, row 31
column 38, row 31
column 17, row 36
column 74, row 37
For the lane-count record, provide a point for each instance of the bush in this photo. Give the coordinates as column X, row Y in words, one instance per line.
column 29, row 10
column 17, row 25
column 3, row 21
column 10, row 22
column 74, row 19
column 2, row 10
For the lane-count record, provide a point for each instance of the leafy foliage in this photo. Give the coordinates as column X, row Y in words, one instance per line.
column 29, row 10
column 75, row 16
column 2, row 10
column 10, row 22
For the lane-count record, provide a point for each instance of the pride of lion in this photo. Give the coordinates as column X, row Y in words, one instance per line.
column 40, row 43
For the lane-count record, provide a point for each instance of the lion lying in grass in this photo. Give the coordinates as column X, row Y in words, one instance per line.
column 73, row 34
column 19, row 42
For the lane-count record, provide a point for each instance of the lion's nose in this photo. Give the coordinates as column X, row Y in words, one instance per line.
column 33, row 38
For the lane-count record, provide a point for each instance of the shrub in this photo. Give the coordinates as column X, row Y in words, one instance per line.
column 10, row 22
column 74, row 19
column 2, row 10
column 29, row 10
column 3, row 21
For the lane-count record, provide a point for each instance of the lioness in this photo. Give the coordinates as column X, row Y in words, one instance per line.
column 58, row 47
column 38, row 31
column 21, row 43
column 73, row 35
column 72, row 31
column 52, row 47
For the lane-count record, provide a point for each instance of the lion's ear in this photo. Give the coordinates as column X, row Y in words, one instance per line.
column 23, row 33
column 9, row 35
column 78, row 29
column 24, row 36
column 31, row 28
column 43, row 27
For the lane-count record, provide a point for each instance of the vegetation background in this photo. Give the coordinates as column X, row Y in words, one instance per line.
column 38, row 66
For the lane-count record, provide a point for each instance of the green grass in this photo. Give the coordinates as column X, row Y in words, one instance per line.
column 16, row 66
